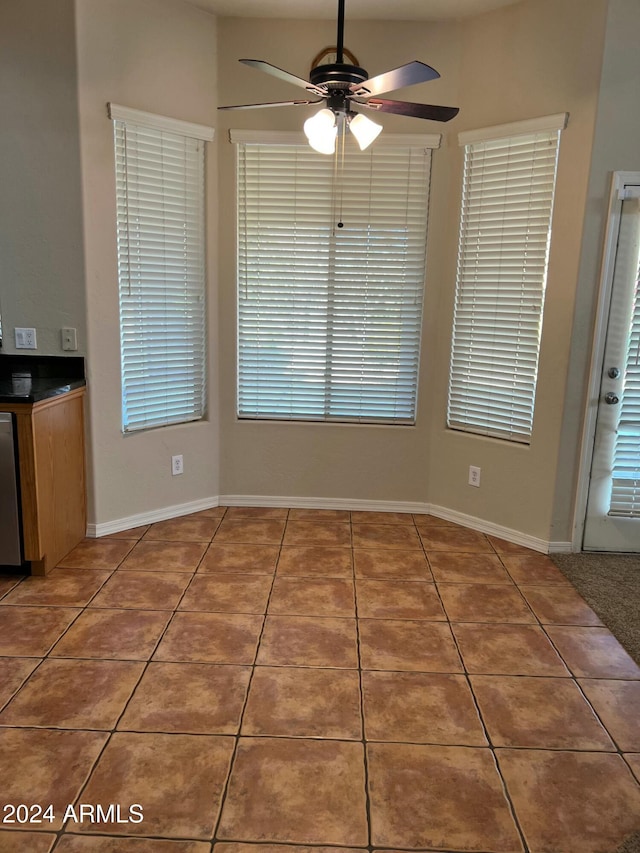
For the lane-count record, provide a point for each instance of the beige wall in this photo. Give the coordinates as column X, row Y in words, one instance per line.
column 41, row 255
column 531, row 59
column 381, row 463
column 158, row 56
column 535, row 58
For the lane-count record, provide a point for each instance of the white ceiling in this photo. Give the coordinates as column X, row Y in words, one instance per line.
column 383, row 10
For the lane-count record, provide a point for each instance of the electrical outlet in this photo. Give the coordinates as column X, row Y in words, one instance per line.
column 474, row 475
column 177, row 466
column 69, row 339
column 26, row 339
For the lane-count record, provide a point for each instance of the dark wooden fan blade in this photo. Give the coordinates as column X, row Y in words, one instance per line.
column 279, row 73
column 405, row 108
column 397, row 78
column 272, row 104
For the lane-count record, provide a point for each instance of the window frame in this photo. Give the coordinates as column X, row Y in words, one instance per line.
column 166, row 274
column 522, row 222
column 244, row 412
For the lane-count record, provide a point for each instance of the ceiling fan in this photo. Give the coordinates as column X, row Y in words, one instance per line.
column 343, row 87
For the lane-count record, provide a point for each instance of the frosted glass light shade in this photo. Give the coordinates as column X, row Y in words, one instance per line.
column 364, row 130
column 321, row 131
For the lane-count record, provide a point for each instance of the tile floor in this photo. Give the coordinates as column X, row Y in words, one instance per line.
column 310, row 678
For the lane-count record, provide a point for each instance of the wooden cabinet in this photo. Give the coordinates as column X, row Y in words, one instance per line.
column 52, row 476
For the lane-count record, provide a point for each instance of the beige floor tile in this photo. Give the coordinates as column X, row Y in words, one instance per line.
column 420, row 707
column 391, row 564
column 87, row 844
column 74, row 694
column 297, row 791
column 450, row 567
column 32, row 631
column 319, row 515
column 186, row 529
column 148, row 556
column 13, row 672
column 195, row 698
column 140, row 591
column 426, row 522
column 544, row 713
column 60, row 588
column 98, row 554
column 230, row 593
column 408, row 646
column 238, row 847
column 387, row 599
column 9, row 582
column 313, row 597
column 593, row 652
column 457, row 540
column 507, row 650
column 249, row 513
column 250, row 532
column 211, row 638
column 386, row 537
column 47, row 766
column 617, row 703
column 315, row 561
column 503, row 547
column 574, row 802
column 325, row 533
column 474, row 602
column 438, row 797
column 382, row 518
column 304, row 702
column 150, row 769
column 633, row 760
column 533, row 569
column 246, row 559
column 559, row 605
column 21, row 842
column 117, row 634
column 309, row 641
column 132, row 533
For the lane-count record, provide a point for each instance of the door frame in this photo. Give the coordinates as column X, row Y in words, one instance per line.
column 614, row 210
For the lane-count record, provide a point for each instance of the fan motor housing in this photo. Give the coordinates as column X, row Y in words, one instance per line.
column 338, row 75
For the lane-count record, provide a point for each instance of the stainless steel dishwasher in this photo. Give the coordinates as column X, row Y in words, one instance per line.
column 10, row 538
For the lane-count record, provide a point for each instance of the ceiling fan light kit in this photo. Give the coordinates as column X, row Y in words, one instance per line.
column 343, row 86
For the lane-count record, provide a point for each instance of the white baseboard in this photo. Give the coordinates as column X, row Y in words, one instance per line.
column 137, row 520
column 325, row 503
column 417, row 507
column 491, row 529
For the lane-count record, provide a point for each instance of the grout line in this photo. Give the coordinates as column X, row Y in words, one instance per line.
column 232, row 760
column 487, row 734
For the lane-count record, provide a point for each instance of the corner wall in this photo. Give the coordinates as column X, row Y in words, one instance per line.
column 41, row 251
column 326, row 460
column 158, row 56
column 527, row 60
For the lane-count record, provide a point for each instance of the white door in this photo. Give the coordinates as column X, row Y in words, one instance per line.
column 613, row 507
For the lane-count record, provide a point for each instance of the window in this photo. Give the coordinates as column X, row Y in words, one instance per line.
column 331, row 266
column 161, row 267
column 505, row 231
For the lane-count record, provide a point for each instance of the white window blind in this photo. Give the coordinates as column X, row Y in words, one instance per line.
column 161, row 268
column 625, row 489
column 505, row 230
column 330, row 317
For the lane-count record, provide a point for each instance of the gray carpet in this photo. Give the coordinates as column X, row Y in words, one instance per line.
column 610, row 583
column 631, row 844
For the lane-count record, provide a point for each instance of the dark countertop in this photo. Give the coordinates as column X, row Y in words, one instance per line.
column 50, row 377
